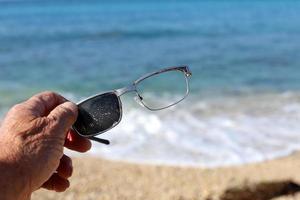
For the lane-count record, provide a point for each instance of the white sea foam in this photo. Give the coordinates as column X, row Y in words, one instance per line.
column 208, row 133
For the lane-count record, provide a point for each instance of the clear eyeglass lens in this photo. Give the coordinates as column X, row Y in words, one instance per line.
column 162, row 90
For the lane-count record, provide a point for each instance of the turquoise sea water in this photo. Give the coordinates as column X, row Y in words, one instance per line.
column 244, row 102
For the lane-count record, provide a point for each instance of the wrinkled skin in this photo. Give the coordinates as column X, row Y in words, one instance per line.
column 32, row 138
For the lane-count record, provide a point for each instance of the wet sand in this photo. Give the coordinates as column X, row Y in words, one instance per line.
column 96, row 178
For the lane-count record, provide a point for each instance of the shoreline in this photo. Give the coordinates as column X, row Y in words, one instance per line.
column 75, row 155
column 96, row 178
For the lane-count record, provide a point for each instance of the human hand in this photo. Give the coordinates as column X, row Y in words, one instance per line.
column 32, row 137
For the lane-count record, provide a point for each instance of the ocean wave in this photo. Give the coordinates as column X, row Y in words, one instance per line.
column 208, row 133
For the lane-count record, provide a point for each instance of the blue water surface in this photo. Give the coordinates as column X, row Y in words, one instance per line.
column 83, row 47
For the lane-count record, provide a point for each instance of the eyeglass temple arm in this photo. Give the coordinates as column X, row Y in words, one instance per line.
column 100, row 140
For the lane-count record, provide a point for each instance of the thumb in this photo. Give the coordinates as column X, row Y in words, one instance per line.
column 65, row 115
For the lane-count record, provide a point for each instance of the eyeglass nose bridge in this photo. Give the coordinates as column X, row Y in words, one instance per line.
column 124, row 90
column 131, row 88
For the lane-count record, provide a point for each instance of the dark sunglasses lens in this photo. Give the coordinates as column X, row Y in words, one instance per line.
column 98, row 114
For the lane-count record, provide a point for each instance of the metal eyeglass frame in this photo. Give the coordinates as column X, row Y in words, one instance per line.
column 133, row 88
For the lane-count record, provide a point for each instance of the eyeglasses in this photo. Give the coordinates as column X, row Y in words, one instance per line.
column 102, row 112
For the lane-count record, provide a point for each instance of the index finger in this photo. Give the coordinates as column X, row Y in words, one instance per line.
column 43, row 103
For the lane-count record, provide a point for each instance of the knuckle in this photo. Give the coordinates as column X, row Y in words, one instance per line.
column 48, row 93
column 54, row 121
column 16, row 107
column 52, row 96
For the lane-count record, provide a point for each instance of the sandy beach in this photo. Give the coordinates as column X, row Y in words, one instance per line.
column 96, row 178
